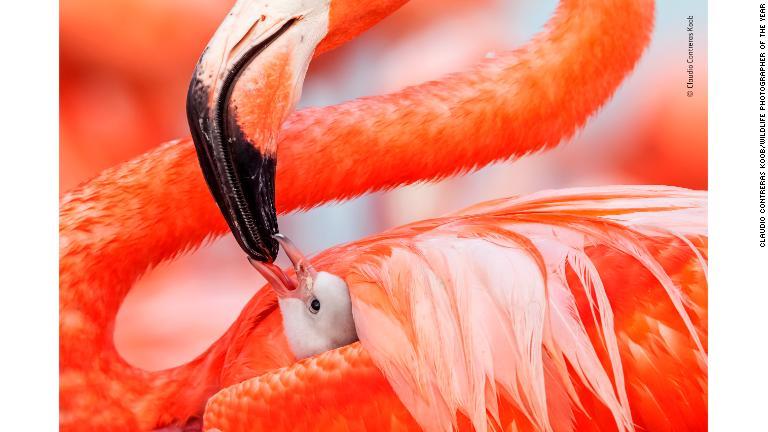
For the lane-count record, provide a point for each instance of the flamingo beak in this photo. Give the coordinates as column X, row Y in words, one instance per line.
column 278, row 280
column 283, row 285
column 244, row 86
column 305, row 272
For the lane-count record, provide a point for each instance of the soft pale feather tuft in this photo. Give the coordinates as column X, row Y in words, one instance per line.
column 477, row 308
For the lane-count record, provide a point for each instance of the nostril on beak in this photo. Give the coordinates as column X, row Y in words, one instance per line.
column 300, row 263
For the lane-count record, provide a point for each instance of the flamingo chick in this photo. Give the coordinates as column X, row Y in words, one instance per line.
column 317, row 311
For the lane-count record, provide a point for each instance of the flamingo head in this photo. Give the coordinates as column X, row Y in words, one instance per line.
column 244, row 86
column 316, row 307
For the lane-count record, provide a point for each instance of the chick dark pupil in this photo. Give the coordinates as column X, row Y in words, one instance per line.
column 315, row 305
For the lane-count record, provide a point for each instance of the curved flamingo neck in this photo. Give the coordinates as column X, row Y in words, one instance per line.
column 349, row 19
column 109, row 235
column 98, row 389
column 522, row 101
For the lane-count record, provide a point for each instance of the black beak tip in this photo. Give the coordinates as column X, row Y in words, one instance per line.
column 240, row 177
column 266, row 251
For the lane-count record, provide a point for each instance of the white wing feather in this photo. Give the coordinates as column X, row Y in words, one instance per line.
column 484, row 309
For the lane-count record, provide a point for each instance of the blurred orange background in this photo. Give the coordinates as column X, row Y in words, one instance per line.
column 125, row 66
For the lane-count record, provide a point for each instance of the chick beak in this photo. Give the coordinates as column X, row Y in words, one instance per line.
column 283, row 284
column 244, row 86
column 305, row 272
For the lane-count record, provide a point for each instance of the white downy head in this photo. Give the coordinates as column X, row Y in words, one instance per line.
column 316, row 308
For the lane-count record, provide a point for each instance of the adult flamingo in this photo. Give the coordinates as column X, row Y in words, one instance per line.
column 515, row 104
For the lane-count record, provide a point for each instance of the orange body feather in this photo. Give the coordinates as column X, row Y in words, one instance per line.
column 391, row 380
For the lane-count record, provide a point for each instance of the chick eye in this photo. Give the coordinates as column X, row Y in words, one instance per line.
column 314, row 306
